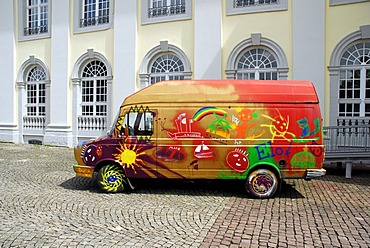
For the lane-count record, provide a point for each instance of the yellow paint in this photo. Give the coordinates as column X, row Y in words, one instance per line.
column 129, row 157
column 84, row 171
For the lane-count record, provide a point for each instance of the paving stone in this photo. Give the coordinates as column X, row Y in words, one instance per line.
column 43, row 204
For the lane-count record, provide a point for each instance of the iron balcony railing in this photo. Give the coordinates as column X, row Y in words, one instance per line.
column 35, row 30
column 246, row 3
column 93, row 21
column 167, row 10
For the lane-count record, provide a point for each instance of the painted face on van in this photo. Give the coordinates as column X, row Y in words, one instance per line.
column 238, row 160
column 279, row 125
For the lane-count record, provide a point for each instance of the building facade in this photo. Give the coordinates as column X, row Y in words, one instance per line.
column 67, row 65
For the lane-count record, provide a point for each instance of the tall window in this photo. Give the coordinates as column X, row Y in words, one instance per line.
column 94, row 89
column 166, row 67
column 354, row 85
column 257, row 63
column 92, row 15
column 36, row 97
column 37, row 17
column 95, row 12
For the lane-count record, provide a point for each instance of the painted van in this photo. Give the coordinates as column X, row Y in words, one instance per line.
column 260, row 132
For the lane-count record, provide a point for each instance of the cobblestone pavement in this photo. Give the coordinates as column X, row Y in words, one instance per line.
column 42, row 204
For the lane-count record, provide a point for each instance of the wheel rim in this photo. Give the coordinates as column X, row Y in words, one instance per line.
column 262, row 184
column 112, row 179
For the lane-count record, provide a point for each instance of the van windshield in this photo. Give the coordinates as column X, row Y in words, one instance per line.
column 138, row 123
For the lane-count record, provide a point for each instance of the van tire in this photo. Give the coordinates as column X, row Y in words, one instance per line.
column 111, row 179
column 262, row 183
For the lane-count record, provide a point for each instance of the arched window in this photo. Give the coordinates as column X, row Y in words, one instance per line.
column 257, row 63
column 354, row 81
column 164, row 62
column 36, row 91
column 257, row 58
column 94, row 89
column 166, row 67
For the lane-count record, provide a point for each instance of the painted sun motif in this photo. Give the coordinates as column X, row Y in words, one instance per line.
column 129, row 155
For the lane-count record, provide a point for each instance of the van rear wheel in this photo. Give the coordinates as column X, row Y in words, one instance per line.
column 262, row 183
column 112, row 179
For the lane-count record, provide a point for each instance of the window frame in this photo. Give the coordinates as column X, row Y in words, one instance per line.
column 39, row 93
column 255, row 42
column 257, row 72
column 95, row 94
column 231, row 10
column 135, row 121
column 78, row 14
column 146, row 5
column 361, row 100
column 156, row 52
column 167, row 75
column 23, row 21
column 342, row 2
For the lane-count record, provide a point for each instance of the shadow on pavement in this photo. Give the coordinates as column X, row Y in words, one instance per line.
column 80, row 183
column 232, row 188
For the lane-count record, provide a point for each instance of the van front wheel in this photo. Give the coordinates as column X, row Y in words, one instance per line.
column 111, row 179
column 262, row 183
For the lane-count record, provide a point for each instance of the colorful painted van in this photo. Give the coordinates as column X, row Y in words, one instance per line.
column 257, row 131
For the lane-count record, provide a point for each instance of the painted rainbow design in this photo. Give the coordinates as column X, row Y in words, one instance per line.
column 208, row 111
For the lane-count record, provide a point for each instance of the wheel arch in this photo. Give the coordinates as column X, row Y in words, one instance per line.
column 105, row 162
column 264, row 165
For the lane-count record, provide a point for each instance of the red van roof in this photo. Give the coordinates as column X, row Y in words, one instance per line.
column 245, row 91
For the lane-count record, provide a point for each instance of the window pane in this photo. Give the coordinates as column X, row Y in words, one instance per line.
column 42, row 110
column 31, row 111
column 87, row 110
column 356, row 94
column 101, row 110
column 342, row 109
column 87, row 91
column 356, row 109
column 367, row 109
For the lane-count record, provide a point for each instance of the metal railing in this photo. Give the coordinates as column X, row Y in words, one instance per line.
column 347, row 139
column 167, row 10
column 93, row 21
column 246, row 3
column 35, row 30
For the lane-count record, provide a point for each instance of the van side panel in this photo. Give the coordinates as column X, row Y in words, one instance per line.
column 223, row 139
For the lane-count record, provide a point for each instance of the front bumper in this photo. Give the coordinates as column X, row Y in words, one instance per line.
column 83, row 171
column 313, row 173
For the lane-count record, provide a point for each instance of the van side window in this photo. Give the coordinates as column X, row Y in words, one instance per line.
column 138, row 124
